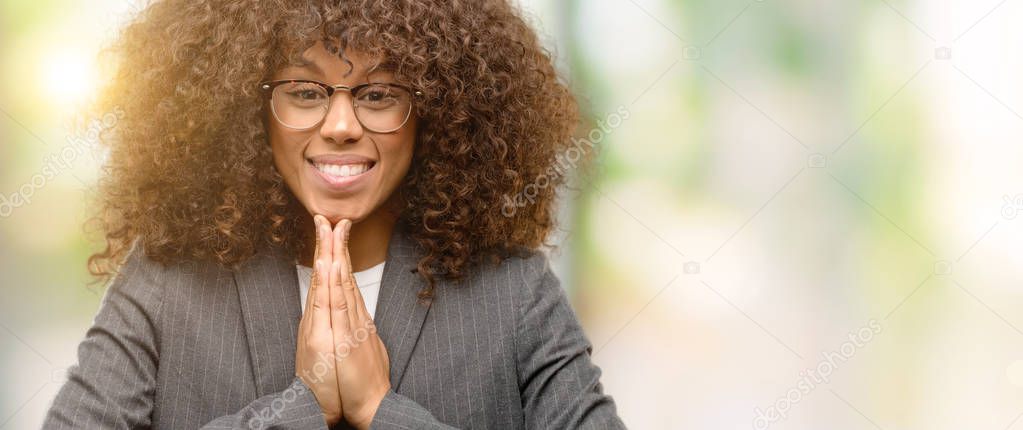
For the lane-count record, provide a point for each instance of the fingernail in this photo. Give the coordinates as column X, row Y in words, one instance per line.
column 316, row 220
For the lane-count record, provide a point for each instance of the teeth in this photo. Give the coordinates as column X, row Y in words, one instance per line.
column 343, row 171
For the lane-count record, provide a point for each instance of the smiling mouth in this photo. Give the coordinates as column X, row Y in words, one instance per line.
column 342, row 171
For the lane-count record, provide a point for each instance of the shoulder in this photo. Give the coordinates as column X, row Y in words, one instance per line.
column 149, row 284
column 536, row 283
column 520, row 285
column 523, row 272
column 537, row 279
column 139, row 277
column 545, row 323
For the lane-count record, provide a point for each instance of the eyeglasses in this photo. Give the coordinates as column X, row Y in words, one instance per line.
column 302, row 104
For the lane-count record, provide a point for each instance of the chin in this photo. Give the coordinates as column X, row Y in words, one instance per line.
column 336, row 210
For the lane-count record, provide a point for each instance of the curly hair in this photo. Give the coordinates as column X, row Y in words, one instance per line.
column 190, row 172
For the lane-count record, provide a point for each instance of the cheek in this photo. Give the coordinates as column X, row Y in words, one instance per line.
column 286, row 154
column 288, row 160
column 398, row 153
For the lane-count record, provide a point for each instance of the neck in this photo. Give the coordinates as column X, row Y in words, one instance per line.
column 367, row 245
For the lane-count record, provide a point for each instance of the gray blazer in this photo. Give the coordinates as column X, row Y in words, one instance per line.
column 197, row 345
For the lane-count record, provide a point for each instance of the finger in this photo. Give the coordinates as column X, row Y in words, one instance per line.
column 325, row 244
column 309, row 318
column 321, row 298
column 338, row 305
column 316, row 230
column 338, row 244
column 339, row 309
column 308, row 304
column 347, row 278
column 307, row 313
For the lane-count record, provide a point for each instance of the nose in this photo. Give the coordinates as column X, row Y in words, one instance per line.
column 340, row 124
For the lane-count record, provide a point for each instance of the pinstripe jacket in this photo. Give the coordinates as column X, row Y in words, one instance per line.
column 197, row 345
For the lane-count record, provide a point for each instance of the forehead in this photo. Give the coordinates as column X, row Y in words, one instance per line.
column 356, row 63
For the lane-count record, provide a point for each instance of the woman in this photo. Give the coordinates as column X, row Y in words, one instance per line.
column 306, row 212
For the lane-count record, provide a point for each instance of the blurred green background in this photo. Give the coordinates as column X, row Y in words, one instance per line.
column 807, row 214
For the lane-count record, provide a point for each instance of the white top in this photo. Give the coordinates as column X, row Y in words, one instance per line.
column 368, row 281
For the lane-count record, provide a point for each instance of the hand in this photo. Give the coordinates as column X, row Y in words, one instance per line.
column 361, row 359
column 314, row 356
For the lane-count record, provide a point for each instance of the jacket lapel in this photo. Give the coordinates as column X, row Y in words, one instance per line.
column 269, row 295
column 268, row 292
column 399, row 316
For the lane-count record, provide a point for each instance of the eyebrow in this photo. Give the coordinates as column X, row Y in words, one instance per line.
column 381, row 67
column 306, row 63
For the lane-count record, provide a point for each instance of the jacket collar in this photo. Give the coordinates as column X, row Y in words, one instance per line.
column 268, row 292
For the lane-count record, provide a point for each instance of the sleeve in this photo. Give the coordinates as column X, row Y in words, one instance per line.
column 113, row 385
column 560, row 386
column 294, row 408
column 397, row 412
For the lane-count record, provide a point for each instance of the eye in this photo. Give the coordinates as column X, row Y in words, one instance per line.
column 375, row 95
column 381, row 96
column 306, row 94
column 302, row 94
